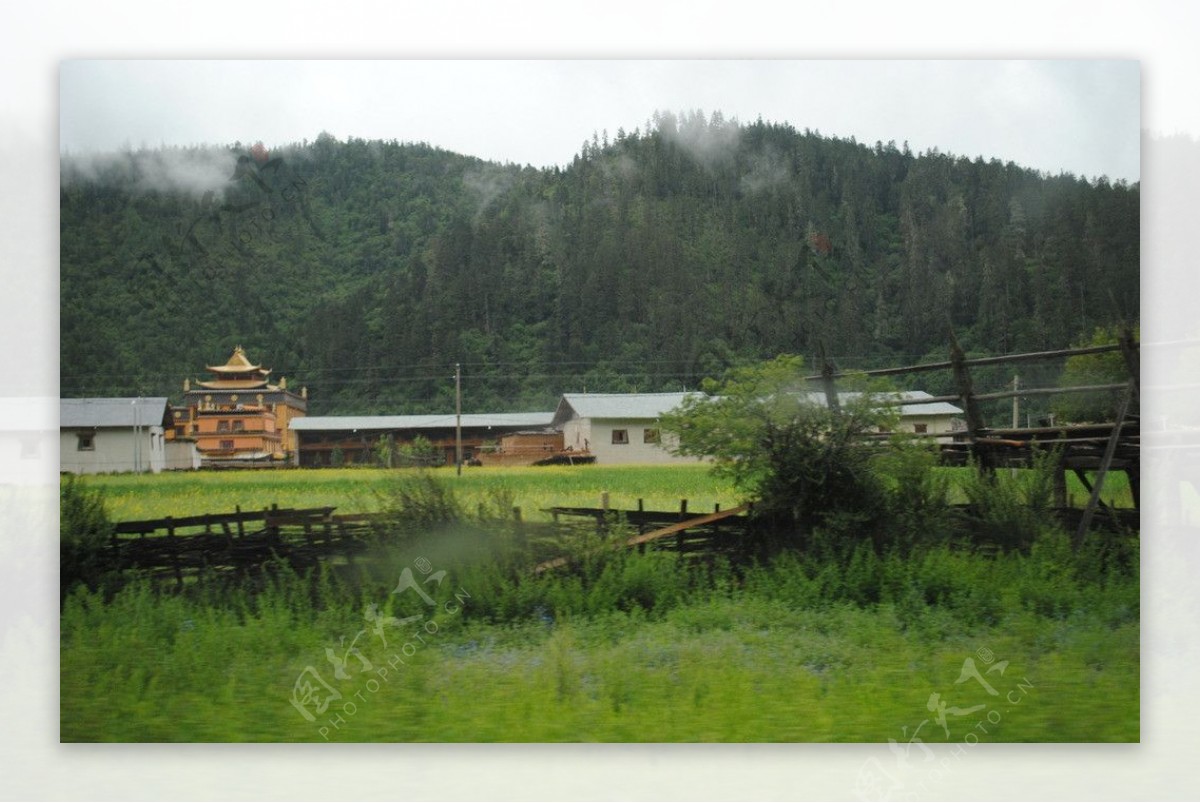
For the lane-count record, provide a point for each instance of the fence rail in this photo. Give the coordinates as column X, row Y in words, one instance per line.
column 239, row 540
column 1111, row 445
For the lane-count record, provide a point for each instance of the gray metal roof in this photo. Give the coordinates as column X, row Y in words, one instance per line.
column 617, row 405
column 648, row 406
column 343, row 423
column 146, row 411
column 654, row 405
column 914, row 409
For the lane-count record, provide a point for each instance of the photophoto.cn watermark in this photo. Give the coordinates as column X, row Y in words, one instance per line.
column 909, row 775
column 359, row 677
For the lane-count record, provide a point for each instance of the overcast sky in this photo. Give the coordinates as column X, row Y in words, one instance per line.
column 1076, row 116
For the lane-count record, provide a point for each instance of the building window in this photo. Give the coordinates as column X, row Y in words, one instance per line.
column 86, row 442
column 222, row 426
column 226, row 445
column 179, row 432
column 238, row 426
column 920, row 429
column 650, row 435
column 620, row 436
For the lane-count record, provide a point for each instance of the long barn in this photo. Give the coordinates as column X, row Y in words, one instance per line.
column 354, row 440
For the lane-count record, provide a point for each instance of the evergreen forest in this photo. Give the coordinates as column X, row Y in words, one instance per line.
column 365, row 270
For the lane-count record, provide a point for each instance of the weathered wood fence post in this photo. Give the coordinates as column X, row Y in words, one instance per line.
column 1109, row 450
column 174, row 542
column 519, row 530
column 827, row 381
column 966, row 392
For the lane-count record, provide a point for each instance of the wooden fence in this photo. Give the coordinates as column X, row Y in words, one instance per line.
column 239, row 540
column 1098, row 448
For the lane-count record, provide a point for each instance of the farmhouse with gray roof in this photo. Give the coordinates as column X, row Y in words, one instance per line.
column 624, row 427
column 618, row 427
column 113, row 435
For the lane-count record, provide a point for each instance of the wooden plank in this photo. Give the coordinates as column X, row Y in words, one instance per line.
column 699, row 521
column 1110, row 450
column 962, row 381
column 1087, row 486
column 1033, row 356
column 206, row 519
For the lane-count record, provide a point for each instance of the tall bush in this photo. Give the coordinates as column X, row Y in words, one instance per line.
column 416, row 502
column 84, row 533
column 1011, row 509
column 799, row 460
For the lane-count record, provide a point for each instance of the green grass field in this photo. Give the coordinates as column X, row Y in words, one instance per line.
column 642, row 648
column 720, row 670
column 357, row 490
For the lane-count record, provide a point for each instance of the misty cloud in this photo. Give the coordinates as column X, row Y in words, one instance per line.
column 621, row 166
column 489, row 183
column 193, row 171
column 709, row 142
column 767, row 170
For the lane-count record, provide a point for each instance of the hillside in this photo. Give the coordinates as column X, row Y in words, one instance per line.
column 365, row 270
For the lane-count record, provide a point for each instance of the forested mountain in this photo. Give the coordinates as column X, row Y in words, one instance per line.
column 366, row 270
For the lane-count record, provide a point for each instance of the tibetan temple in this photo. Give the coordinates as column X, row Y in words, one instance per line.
column 238, row 417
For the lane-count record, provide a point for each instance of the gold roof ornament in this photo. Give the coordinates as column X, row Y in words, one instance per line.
column 239, row 363
column 238, row 373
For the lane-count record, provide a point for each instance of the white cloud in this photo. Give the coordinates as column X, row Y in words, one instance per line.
column 1074, row 116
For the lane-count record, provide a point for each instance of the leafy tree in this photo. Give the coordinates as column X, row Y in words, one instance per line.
column 1083, row 370
column 802, row 462
column 417, row 452
column 385, row 450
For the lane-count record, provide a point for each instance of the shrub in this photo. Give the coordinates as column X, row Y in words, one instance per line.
column 915, row 495
column 1010, row 510
column 416, row 502
column 799, row 460
column 84, row 534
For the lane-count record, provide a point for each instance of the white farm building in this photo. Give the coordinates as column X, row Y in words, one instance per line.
column 624, row 427
column 618, row 427
column 112, row 435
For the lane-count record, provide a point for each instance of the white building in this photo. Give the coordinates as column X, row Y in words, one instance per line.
column 916, row 416
column 624, row 427
column 110, row 435
column 618, row 427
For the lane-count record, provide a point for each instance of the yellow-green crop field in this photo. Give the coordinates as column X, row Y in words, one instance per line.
column 358, row 490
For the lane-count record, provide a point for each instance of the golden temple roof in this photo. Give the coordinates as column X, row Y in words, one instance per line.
column 238, row 363
column 237, row 384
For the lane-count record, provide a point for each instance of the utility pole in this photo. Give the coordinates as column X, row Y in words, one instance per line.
column 137, row 436
column 1016, row 417
column 1016, row 408
column 458, row 418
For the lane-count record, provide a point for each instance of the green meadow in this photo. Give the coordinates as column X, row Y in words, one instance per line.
column 359, row 490
column 446, row 636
